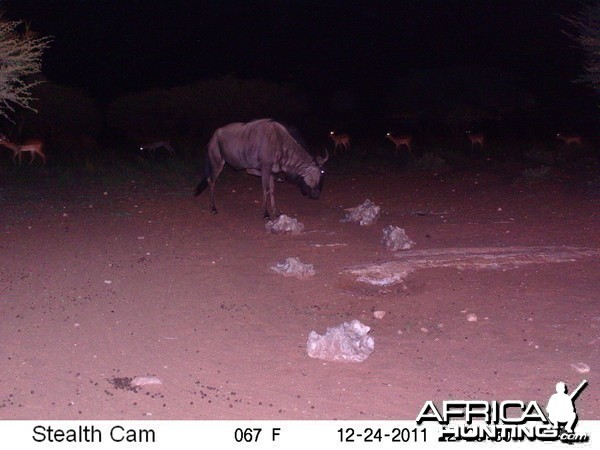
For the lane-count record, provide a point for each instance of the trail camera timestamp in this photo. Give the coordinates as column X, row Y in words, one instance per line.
column 412, row 435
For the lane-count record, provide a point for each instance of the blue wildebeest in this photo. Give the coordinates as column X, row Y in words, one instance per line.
column 263, row 148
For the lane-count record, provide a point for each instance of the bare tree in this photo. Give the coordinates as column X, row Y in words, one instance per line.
column 20, row 58
column 587, row 35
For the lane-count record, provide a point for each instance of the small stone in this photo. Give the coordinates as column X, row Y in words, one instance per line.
column 581, row 367
column 379, row 314
column 365, row 214
column 472, row 317
column 284, row 224
column 395, row 238
column 293, row 267
column 145, row 381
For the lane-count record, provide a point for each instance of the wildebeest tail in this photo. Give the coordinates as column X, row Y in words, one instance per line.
column 205, row 176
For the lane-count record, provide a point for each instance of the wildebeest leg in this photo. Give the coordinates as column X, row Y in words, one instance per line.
column 268, row 187
column 217, row 165
column 274, row 209
column 265, row 188
column 213, row 208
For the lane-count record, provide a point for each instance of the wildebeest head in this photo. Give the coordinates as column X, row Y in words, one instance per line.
column 310, row 179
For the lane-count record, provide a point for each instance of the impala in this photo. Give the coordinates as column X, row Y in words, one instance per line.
column 569, row 139
column 340, row 140
column 476, row 138
column 33, row 146
column 152, row 147
column 400, row 141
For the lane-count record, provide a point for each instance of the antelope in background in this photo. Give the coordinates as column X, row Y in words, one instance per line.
column 569, row 139
column 153, row 146
column 340, row 140
column 32, row 146
column 400, row 141
column 476, row 138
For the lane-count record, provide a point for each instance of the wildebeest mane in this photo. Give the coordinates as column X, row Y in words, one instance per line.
column 291, row 130
column 295, row 134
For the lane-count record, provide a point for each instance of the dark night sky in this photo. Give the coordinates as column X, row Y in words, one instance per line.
column 323, row 47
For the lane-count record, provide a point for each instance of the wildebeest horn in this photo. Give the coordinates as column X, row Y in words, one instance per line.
column 321, row 160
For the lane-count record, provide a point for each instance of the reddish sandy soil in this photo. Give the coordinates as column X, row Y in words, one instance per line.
column 102, row 284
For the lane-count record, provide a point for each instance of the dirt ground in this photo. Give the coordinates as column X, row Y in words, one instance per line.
column 102, row 284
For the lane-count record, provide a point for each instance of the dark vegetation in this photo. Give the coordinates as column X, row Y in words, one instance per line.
column 84, row 137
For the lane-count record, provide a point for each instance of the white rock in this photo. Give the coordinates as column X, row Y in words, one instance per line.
column 145, row 381
column 395, row 238
column 581, row 367
column 284, row 224
column 348, row 342
column 365, row 214
column 293, row 267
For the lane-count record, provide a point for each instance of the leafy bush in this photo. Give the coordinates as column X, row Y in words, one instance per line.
column 587, row 27
column 20, row 58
